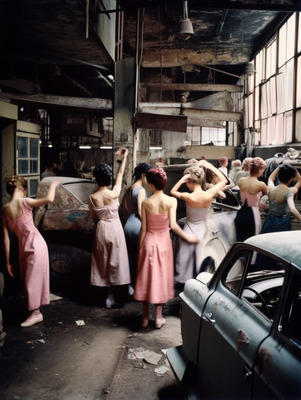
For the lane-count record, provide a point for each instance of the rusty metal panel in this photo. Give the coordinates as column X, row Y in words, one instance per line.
column 163, row 122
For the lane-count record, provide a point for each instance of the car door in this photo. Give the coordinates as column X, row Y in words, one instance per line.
column 278, row 363
column 232, row 330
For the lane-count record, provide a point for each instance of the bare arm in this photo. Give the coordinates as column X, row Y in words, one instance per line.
column 140, row 198
column 220, row 176
column 272, row 177
column 6, row 240
column 47, row 199
column 292, row 207
column 143, row 225
column 175, row 190
column 298, row 180
column 175, row 227
column 123, row 153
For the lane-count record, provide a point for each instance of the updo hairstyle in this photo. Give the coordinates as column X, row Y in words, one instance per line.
column 256, row 165
column 197, row 174
column 157, row 177
column 140, row 169
column 286, row 172
column 15, row 181
column 102, row 174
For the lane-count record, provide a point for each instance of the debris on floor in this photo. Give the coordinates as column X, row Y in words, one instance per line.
column 147, row 355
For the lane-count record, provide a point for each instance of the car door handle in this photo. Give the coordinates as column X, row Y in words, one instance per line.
column 247, row 372
column 208, row 317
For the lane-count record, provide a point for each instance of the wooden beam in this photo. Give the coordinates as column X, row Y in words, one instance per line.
column 161, row 122
column 195, row 117
column 204, row 57
column 71, row 103
column 272, row 5
column 192, row 87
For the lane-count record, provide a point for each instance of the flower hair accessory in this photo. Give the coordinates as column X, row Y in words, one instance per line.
column 161, row 172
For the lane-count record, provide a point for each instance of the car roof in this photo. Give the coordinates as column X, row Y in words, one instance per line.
column 283, row 244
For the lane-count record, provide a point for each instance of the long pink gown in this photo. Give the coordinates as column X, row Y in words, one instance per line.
column 33, row 258
column 109, row 265
column 155, row 274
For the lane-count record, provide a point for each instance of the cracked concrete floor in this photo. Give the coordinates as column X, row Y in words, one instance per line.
column 86, row 352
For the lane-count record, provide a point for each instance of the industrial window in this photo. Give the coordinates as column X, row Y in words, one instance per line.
column 201, row 135
column 28, row 160
column 275, row 87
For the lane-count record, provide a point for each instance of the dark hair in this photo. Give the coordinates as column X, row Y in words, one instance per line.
column 140, row 169
column 286, row 172
column 102, row 174
column 157, row 176
column 15, row 181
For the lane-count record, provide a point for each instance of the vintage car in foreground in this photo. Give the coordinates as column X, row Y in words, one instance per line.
column 241, row 326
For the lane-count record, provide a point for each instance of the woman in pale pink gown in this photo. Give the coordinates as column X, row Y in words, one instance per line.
column 109, row 265
column 33, row 251
column 155, row 274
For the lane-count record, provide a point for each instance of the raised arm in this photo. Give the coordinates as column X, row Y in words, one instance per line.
column 49, row 198
column 298, row 180
column 272, row 177
column 175, row 190
column 222, row 179
column 123, row 153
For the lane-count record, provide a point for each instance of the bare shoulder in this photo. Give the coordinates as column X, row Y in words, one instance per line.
column 169, row 200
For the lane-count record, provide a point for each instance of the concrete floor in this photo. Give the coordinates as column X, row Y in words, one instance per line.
column 87, row 352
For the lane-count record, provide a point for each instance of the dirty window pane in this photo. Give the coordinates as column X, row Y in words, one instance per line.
column 33, row 166
column 22, row 167
column 22, row 146
column 235, row 273
column 34, row 148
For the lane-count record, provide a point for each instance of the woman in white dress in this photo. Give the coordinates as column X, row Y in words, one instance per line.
column 198, row 202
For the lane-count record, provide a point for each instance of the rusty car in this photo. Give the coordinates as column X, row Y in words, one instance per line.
column 68, row 230
column 240, row 325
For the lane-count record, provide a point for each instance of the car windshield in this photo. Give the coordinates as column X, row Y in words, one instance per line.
column 81, row 190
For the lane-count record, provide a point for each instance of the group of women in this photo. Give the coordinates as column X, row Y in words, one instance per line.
column 139, row 253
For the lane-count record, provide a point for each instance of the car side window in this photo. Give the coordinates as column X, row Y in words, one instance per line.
column 258, row 280
column 291, row 316
column 234, row 276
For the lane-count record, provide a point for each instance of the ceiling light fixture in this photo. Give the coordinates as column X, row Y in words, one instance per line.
column 250, row 70
column 186, row 28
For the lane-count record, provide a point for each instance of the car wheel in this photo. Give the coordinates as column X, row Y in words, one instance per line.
column 69, row 270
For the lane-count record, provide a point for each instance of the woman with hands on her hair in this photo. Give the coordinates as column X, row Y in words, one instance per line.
column 281, row 199
column 198, row 201
column 33, row 251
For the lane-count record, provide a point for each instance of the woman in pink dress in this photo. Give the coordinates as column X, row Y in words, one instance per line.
column 155, row 274
column 109, row 265
column 33, row 251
